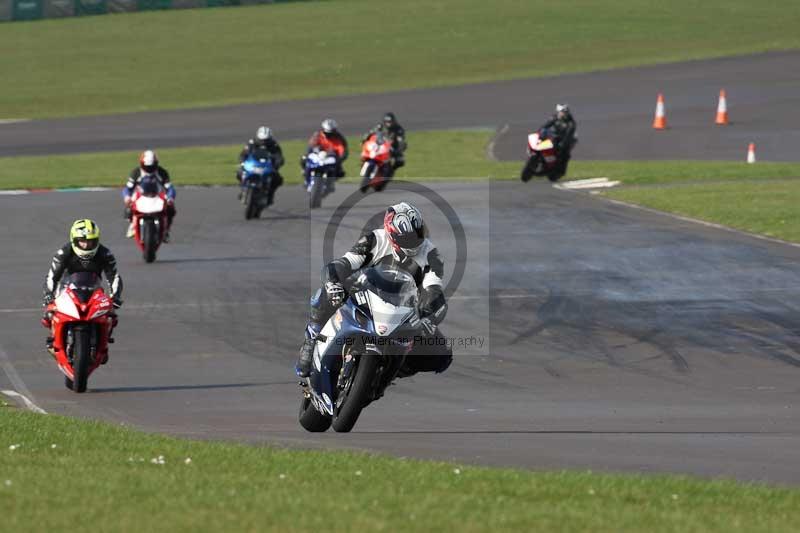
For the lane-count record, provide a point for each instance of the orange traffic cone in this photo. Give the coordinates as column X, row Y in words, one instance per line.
column 751, row 153
column 660, row 121
column 722, row 110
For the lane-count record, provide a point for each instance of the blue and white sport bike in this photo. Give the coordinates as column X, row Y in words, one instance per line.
column 256, row 180
column 320, row 175
column 361, row 349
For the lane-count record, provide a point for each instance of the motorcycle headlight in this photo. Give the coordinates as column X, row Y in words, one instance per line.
column 362, row 318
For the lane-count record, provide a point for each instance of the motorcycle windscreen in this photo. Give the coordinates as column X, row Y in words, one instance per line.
column 83, row 285
column 391, row 295
column 387, row 316
column 149, row 185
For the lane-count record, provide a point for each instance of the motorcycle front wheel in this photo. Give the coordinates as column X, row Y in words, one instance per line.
column 357, row 394
column 311, row 419
column 81, row 358
column 149, row 240
column 317, row 188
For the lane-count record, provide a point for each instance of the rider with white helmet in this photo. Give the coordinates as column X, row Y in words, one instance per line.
column 264, row 142
column 328, row 138
column 403, row 243
column 149, row 166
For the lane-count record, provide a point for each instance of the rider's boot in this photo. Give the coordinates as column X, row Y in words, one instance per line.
column 129, row 234
column 304, row 360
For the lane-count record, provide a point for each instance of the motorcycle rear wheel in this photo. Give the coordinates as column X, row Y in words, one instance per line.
column 358, row 394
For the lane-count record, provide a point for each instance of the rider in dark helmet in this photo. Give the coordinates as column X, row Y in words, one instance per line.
column 402, row 243
column 396, row 134
column 266, row 143
column 562, row 127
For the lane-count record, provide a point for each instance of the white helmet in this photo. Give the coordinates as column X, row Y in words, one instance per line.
column 264, row 134
column 562, row 108
column 329, row 125
column 404, row 228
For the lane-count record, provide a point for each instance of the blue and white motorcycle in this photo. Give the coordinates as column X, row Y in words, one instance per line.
column 256, row 180
column 360, row 349
column 320, row 175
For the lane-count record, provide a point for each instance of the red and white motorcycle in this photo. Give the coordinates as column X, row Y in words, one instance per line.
column 149, row 212
column 376, row 156
column 82, row 318
column 543, row 158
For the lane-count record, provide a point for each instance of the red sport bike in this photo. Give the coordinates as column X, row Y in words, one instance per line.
column 376, row 155
column 81, row 320
column 542, row 158
column 149, row 211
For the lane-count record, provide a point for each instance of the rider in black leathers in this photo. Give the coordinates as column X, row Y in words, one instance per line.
column 264, row 142
column 83, row 253
column 396, row 134
column 562, row 127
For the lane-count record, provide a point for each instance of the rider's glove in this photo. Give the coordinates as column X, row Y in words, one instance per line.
column 428, row 327
column 47, row 299
column 335, row 292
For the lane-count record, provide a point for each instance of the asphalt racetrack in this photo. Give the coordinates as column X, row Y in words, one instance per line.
column 613, row 338
column 587, row 334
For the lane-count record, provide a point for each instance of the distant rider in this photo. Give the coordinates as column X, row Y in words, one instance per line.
column 562, row 127
column 83, row 253
column 264, row 143
column 328, row 138
column 396, row 134
column 401, row 243
column 148, row 165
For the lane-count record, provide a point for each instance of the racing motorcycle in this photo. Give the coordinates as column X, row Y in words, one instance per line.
column 149, row 211
column 256, row 180
column 82, row 318
column 542, row 157
column 376, row 168
column 360, row 349
column 321, row 171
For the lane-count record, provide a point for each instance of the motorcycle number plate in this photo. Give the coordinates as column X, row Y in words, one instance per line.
column 361, row 298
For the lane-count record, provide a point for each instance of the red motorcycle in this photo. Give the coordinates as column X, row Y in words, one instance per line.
column 542, row 158
column 376, row 155
column 82, row 318
column 149, row 211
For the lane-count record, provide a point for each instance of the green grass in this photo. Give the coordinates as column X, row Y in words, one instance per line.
column 731, row 193
column 188, row 58
column 217, row 164
column 467, row 159
column 102, row 475
column 768, row 209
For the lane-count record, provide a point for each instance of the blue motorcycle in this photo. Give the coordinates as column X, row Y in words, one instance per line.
column 256, row 180
column 320, row 175
column 360, row 349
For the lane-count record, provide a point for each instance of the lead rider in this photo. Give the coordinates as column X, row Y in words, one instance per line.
column 401, row 243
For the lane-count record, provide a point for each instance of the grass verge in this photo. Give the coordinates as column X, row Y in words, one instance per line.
column 67, row 471
column 216, row 165
column 204, row 57
column 768, row 209
column 731, row 193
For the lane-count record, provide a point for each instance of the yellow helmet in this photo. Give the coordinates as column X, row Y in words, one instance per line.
column 85, row 238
